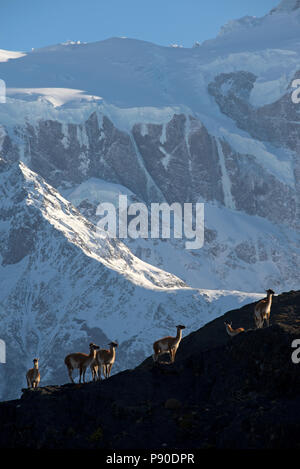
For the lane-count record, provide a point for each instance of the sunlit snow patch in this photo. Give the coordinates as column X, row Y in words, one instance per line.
column 56, row 96
column 6, row 55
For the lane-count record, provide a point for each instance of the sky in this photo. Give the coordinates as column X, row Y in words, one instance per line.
column 27, row 24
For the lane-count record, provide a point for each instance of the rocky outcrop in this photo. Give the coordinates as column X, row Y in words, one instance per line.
column 67, row 154
column 179, row 161
column 182, row 159
column 277, row 122
column 256, row 191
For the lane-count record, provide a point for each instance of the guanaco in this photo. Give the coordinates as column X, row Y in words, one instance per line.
column 104, row 360
column 168, row 345
column 232, row 332
column 33, row 375
column 262, row 310
column 81, row 361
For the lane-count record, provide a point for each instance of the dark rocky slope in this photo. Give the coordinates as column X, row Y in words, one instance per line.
column 221, row 393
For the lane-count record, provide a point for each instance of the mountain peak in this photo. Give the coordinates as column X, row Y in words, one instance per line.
column 28, row 195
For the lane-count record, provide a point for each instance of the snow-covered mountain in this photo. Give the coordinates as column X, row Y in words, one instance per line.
column 62, row 285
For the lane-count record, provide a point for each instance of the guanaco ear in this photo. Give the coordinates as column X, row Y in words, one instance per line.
column 114, row 344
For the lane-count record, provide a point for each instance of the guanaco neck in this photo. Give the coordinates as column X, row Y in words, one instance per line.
column 35, row 369
column 92, row 354
column 269, row 298
column 179, row 334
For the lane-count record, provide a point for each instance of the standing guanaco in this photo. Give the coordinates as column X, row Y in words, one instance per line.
column 232, row 332
column 81, row 361
column 262, row 310
column 168, row 345
column 104, row 360
column 33, row 376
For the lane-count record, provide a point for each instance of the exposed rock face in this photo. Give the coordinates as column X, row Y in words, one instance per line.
column 178, row 162
column 239, row 393
column 184, row 162
column 277, row 122
column 181, row 165
column 257, row 192
column 70, row 153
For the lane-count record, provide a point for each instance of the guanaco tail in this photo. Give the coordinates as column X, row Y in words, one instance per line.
column 232, row 332
column 262, row 310
column 104, row 360
column 168, row 345
column 81, row 361
column 33, row 376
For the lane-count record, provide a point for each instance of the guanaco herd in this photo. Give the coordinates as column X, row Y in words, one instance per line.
column 102, row 360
